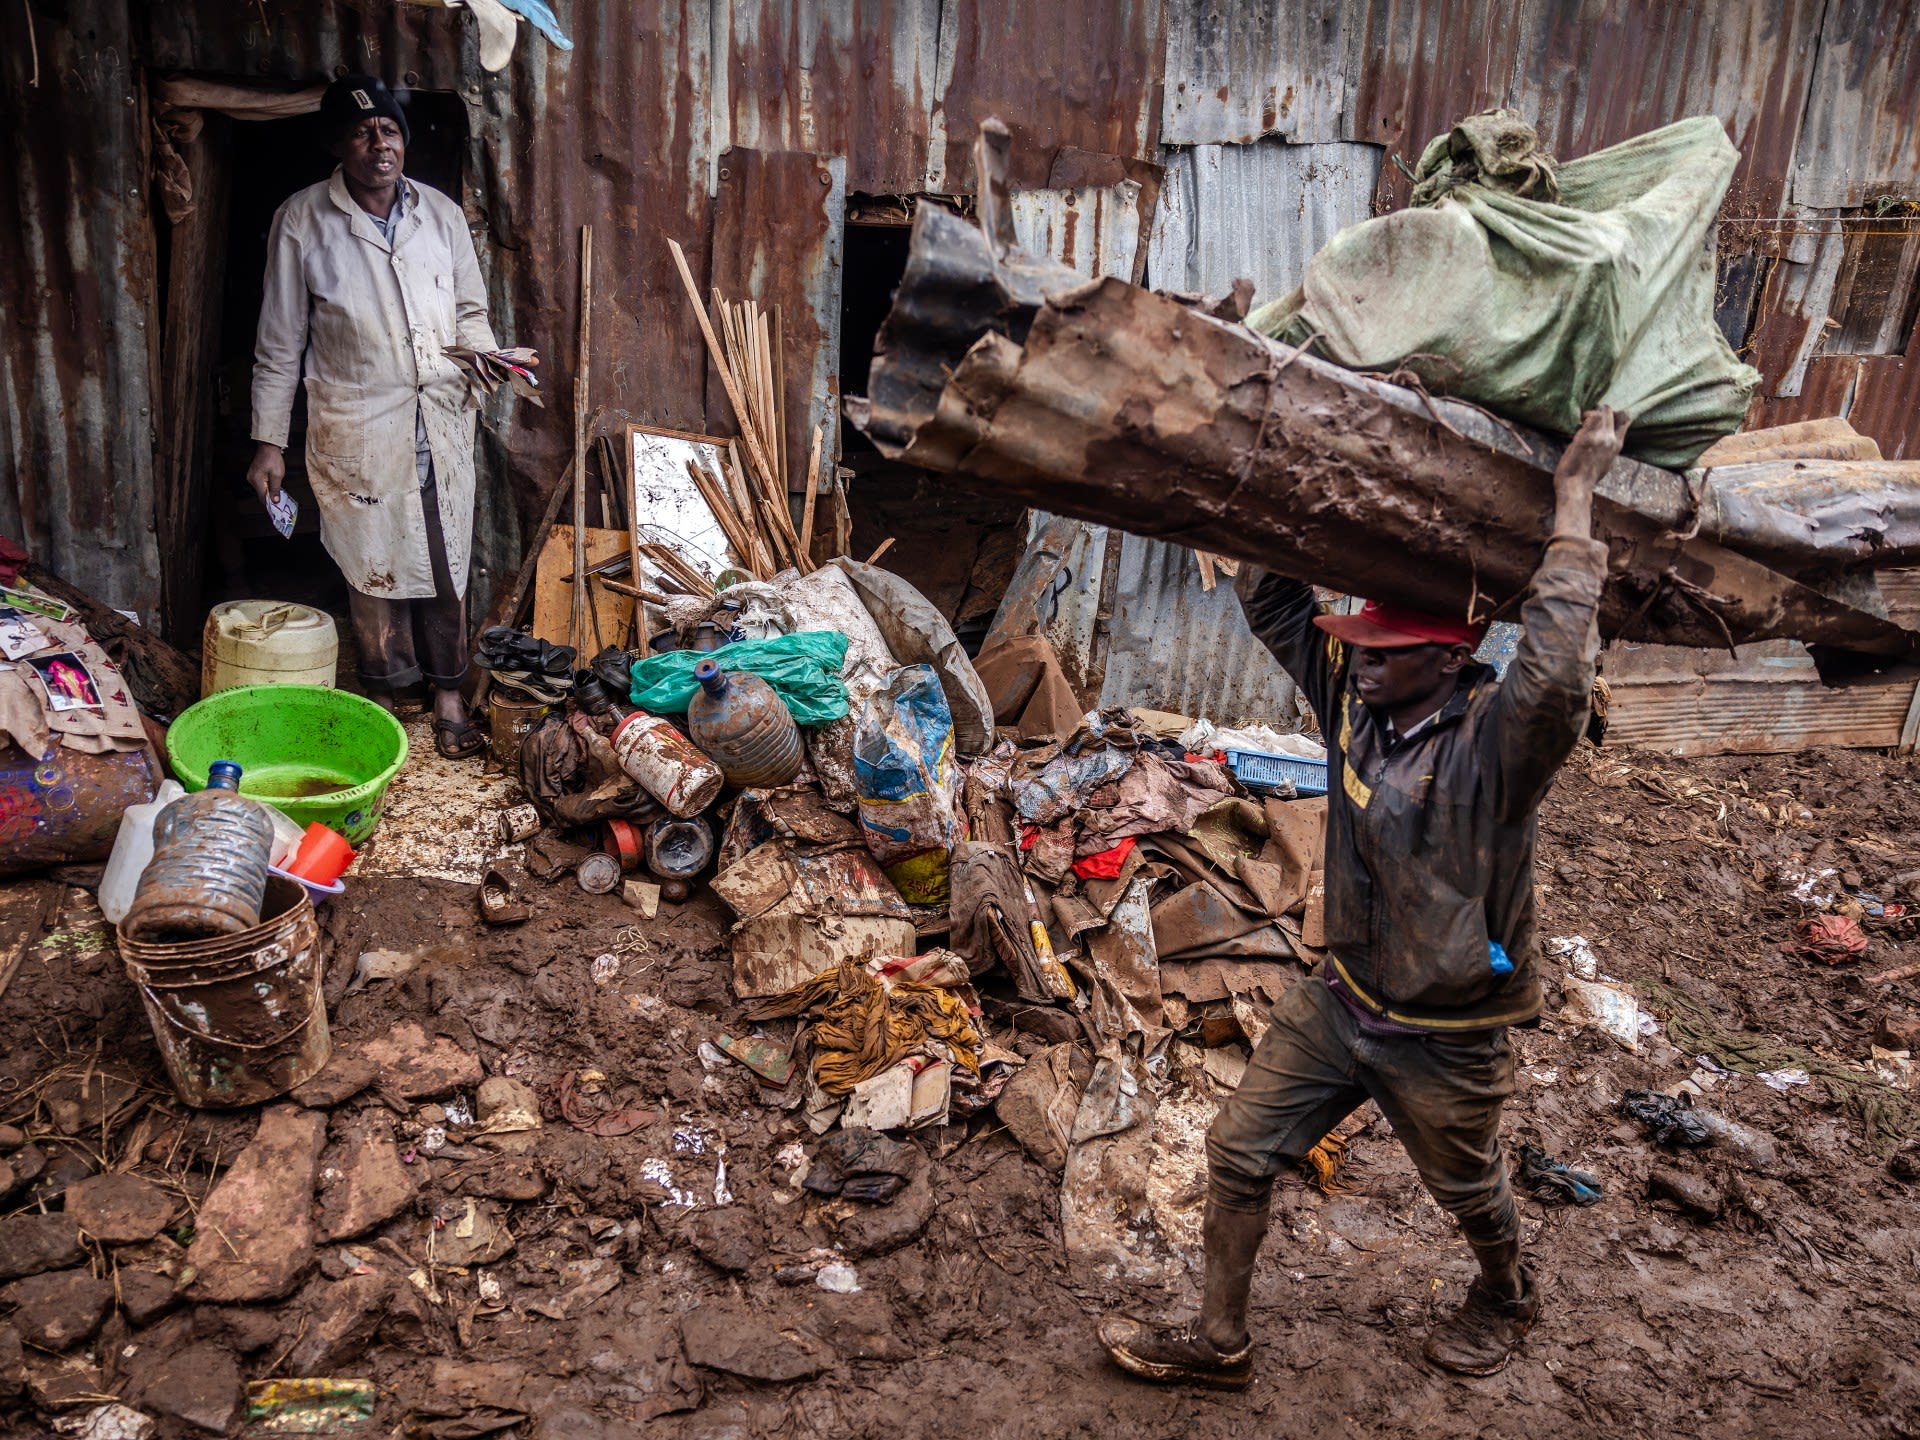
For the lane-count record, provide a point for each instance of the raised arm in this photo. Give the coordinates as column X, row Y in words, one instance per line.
column 1542, row 707
column 1280, row 613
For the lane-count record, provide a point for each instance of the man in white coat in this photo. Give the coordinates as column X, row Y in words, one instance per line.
column 370, row 276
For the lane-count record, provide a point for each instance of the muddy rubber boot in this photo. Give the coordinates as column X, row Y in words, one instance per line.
column 1188, row 1354
column 1481, row 1336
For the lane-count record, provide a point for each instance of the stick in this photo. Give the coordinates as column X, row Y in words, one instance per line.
column 641, row 625
column 581, row 380
column 1898, row 972
column 754, row 451
column 645, row 597
column 737, row 536
column 813, row 486
column 885, row 545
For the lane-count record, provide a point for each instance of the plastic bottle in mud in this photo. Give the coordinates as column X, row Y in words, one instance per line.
column 679, row 849
column 669, row 767
column 208, row 875
column 741, row 721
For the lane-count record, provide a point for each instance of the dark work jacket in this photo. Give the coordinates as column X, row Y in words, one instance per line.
column 1430, row 839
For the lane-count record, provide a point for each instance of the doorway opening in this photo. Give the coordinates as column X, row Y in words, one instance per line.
column 266, row 162
column 958, row 547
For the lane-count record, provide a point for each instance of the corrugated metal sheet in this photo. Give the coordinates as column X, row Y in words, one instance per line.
column 1860, row 139
column 77, row 302
column 1174, row 646
column 1094, row 229
column 1084, row 77
column 1227, row 211
column 1764, row 699
column 1260, row 211
column 1238, row 70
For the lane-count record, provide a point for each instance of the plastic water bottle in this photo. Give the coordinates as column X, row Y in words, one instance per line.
column 208, row 875
column 741, row 721
column 132, row 852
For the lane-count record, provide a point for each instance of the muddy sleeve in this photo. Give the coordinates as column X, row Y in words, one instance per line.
column 1280, row 613
column 282, row 337
column 469, row 295
column 1542, row 706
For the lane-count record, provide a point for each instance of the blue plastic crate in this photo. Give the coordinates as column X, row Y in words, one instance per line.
column 1261, row 773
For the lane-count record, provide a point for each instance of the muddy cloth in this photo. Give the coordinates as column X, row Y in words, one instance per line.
column 1430, row 837
column 991, row 919
column 1441, row 1094
column 863, row 1024
column 1028, row 688
column 861, row 1164
column 552, row 756
column 1669, row 1119
column 1552, row 1182
column 396, row 642
column 1154, row 796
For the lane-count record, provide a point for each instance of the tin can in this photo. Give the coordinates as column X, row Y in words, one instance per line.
column 599, row 874
column 519, row 823
column 668, row 765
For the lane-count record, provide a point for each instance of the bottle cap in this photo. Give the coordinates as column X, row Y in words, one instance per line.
column 707, row 672
column 223, row 775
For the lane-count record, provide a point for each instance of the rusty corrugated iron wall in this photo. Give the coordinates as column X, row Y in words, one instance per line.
column 77, row 339
column 626, row 131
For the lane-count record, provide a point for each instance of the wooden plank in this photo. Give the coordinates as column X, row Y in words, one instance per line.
column 553, row 595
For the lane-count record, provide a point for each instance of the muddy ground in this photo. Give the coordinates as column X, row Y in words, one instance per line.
column 1792, row 1313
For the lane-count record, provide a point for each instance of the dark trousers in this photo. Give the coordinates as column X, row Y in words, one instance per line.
column 1315, row 1066
column 401, row 642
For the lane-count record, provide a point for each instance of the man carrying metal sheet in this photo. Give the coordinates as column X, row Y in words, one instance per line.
column 370, row 276
column 1438, row 771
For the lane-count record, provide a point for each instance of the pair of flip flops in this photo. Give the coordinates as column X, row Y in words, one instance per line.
column 538, row 668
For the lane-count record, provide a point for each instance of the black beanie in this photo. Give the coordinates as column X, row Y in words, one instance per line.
column 351, row 99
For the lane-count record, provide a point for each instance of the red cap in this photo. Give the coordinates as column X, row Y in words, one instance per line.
column 1393, row 627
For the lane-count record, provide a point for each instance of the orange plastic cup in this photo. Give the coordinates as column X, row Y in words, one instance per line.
column 323, row 856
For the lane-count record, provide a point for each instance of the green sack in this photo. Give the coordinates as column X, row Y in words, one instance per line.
column 1541, row 290
column 804, row 671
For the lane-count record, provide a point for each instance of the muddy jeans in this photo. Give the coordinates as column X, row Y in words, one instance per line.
column 1314, row 1066
column 401, row 642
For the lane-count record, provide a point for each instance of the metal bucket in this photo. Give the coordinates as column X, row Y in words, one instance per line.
column 239, row 1018
column 509, row 721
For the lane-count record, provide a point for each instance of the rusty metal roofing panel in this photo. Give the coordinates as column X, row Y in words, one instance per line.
column 835, row 78
column 1174, row 646
column 1241, row 69
column 1083, row 77
column 1860, row 139
column 1094, row 229
column 1260, row 211
column 77, row 302
column 1591, row 75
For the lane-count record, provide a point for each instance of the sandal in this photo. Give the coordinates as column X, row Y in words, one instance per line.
column 458, row 739
column 500, row 902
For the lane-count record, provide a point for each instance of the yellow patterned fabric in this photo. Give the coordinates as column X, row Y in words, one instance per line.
column 863, row 1024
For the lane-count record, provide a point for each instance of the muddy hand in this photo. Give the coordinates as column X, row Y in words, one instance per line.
column 268, row 472
column 1590, row 455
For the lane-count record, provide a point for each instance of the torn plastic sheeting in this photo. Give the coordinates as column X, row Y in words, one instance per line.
column 918, row 634
column 909, row 785
column 1101, row 400
column 804, row 671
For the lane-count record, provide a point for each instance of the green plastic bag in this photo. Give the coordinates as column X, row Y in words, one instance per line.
column 1541, row 290
column 804, row 671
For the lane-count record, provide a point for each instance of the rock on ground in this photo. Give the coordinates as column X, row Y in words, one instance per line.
column 119, row 1209
column 413, row 1067
column 363, row 1183
column 59, row 1311
column 31, row 1244
column 253, row 1237
column 200, row 1385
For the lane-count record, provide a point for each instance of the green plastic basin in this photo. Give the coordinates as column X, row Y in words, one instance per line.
column 316, row 753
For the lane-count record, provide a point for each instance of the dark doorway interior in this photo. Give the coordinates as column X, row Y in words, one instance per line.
column 957, row 546
column 271, row 160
